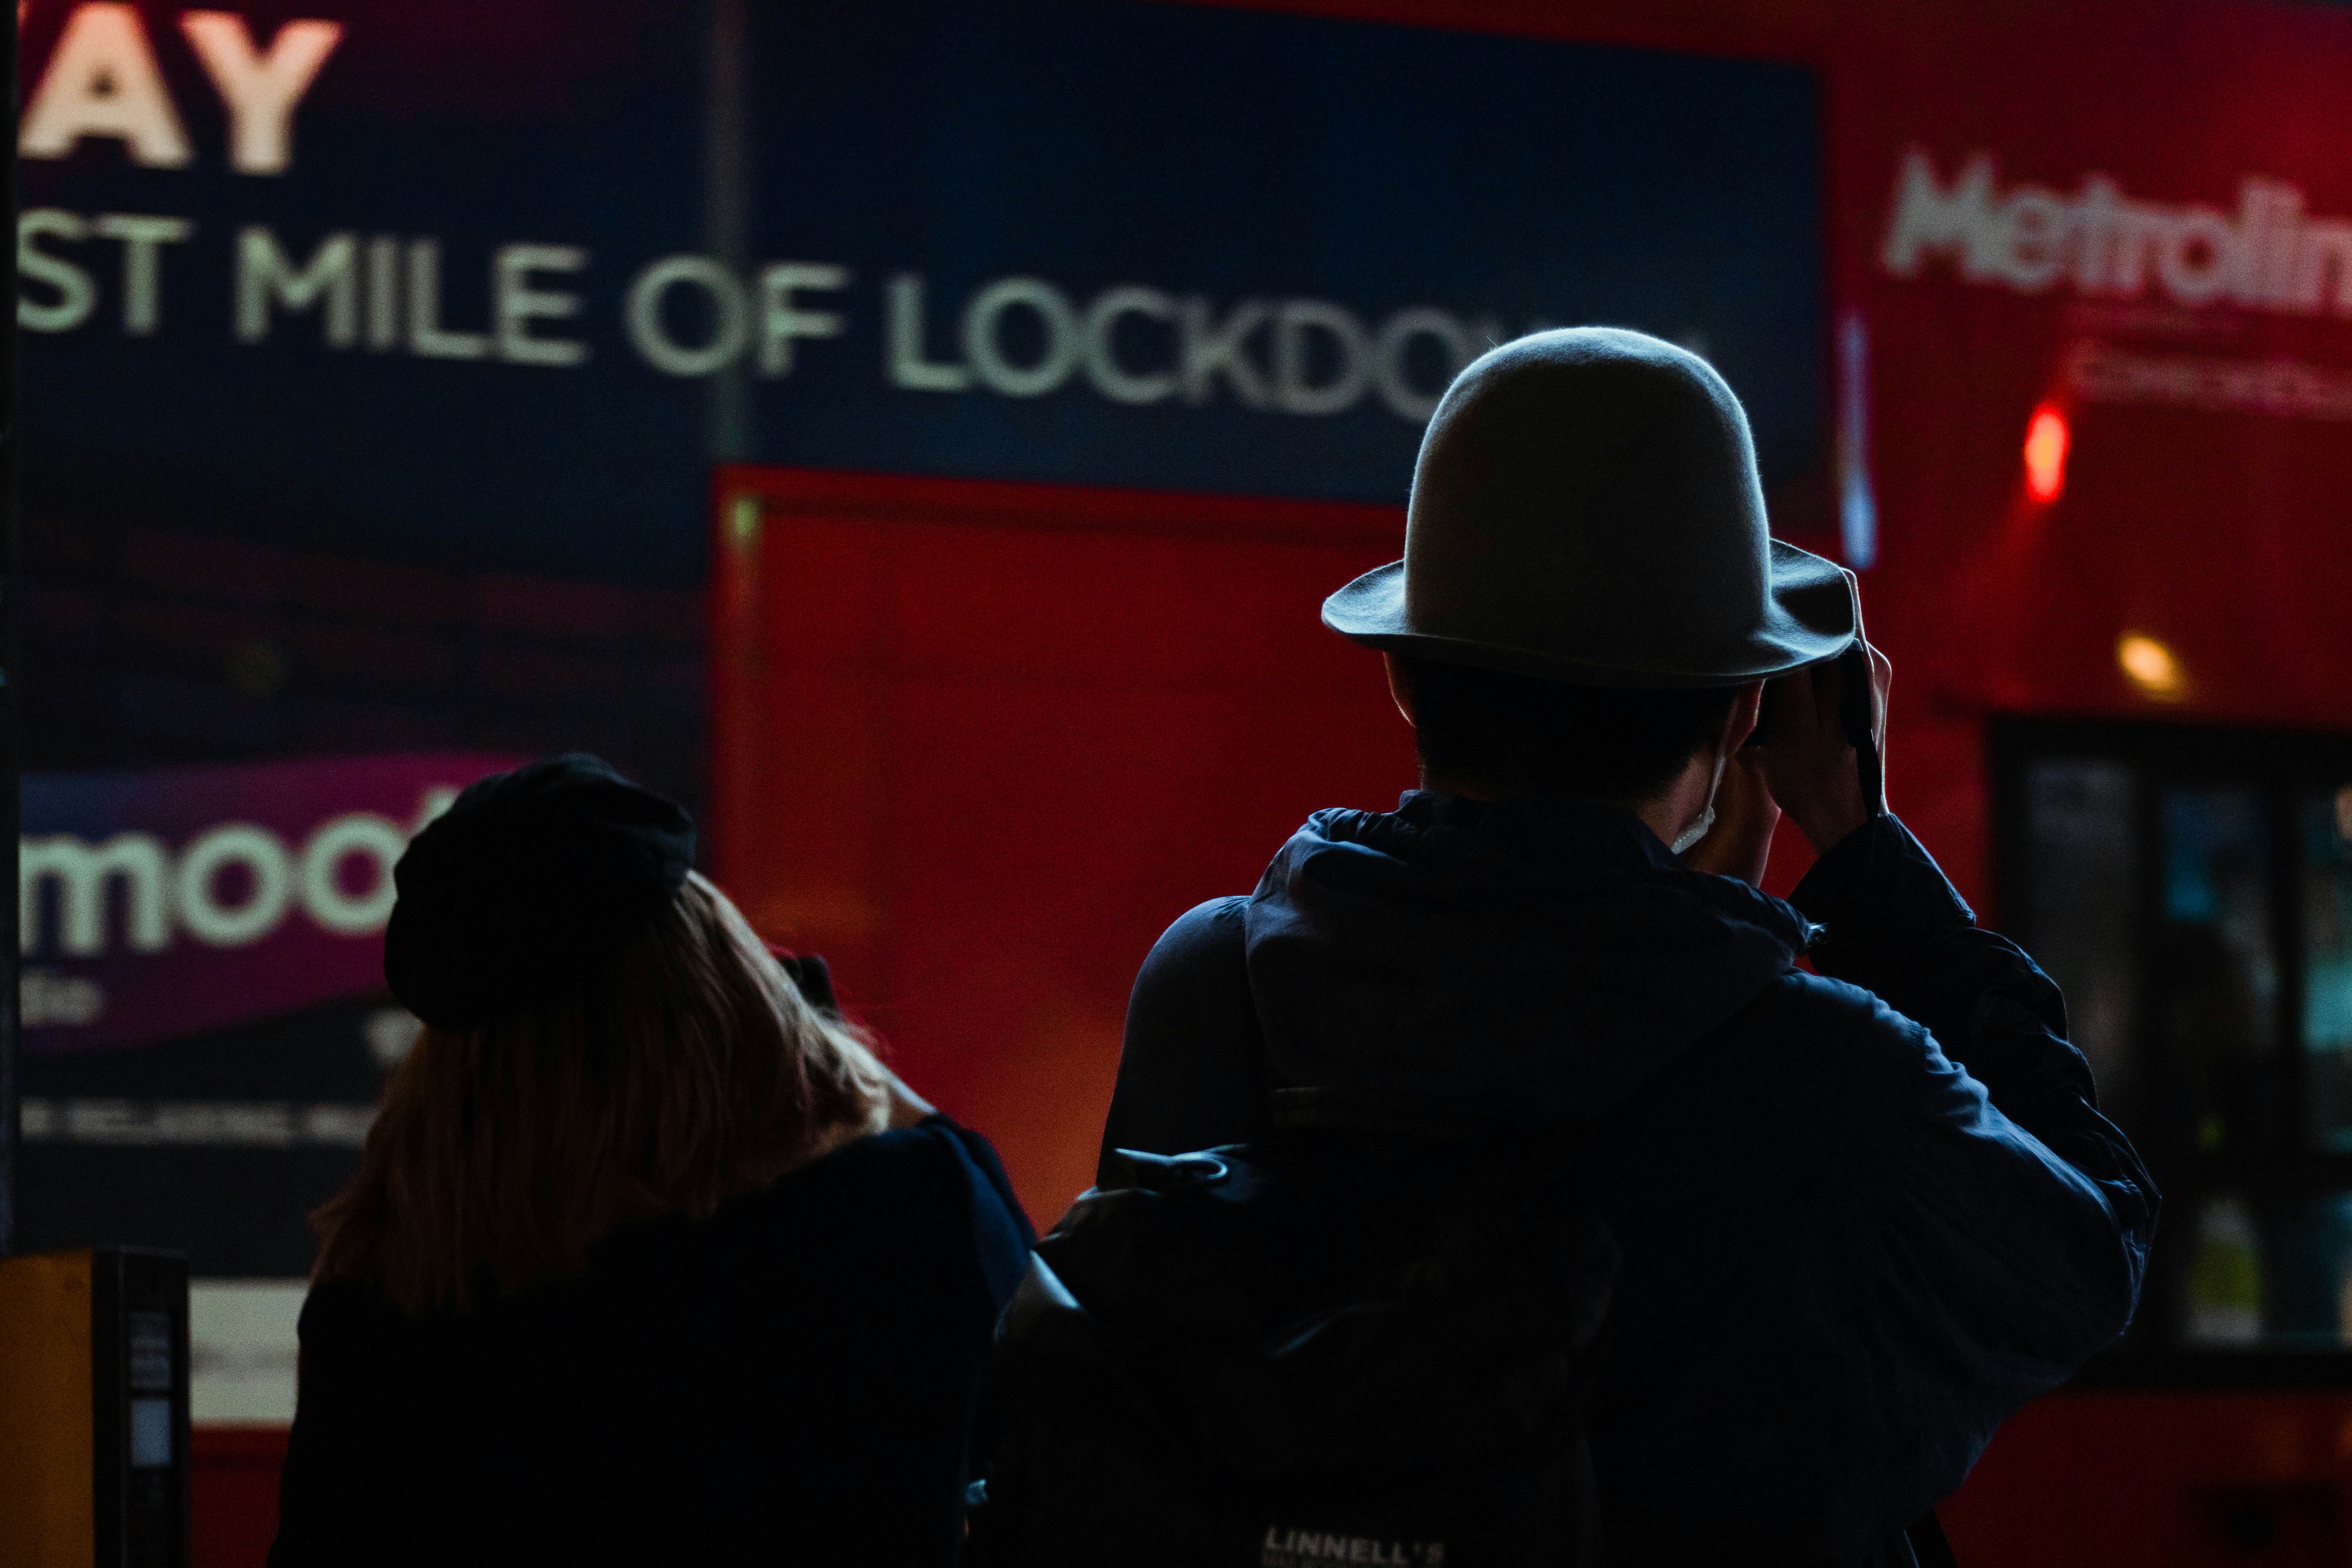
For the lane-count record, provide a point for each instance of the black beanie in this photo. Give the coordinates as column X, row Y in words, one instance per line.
column 530, row 882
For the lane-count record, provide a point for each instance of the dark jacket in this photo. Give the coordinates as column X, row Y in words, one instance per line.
column 794, row 1380
column 1867, row 1213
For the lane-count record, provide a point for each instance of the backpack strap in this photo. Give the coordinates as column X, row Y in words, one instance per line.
column 1929, row 1544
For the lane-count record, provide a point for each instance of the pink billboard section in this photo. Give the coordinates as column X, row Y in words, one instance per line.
column 168, row 902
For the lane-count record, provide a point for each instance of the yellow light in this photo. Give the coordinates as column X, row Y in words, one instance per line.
column 2148, row 664
column 2344, row 812
column 2046, row 439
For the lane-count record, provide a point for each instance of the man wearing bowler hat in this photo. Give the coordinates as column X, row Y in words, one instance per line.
column 1866, row 1212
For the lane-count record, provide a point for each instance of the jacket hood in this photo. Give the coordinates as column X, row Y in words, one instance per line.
column 1543, row 957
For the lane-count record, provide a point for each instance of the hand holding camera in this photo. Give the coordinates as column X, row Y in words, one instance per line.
column 1817, row 754
column 1821, row 744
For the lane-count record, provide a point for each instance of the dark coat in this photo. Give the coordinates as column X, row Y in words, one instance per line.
column 1865, row 1214
column 794, row 1380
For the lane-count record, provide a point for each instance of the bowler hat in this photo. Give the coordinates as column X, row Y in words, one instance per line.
column 1586, row 509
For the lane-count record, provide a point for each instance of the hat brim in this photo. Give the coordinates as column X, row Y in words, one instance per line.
column 1812, row 613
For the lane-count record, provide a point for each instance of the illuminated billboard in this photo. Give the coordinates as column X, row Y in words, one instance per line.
column 377, row 358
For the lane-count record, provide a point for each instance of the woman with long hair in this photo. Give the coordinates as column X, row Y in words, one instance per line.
column 647, row 1255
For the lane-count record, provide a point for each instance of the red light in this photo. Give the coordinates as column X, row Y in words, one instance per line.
column 2045, row 453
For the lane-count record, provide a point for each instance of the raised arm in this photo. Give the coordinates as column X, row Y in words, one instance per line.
column 2069, row 1208
column 2046, row 1201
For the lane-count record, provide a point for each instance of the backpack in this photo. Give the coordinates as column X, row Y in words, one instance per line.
column 1366, row 1337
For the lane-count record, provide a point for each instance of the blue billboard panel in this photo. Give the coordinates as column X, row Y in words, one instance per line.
column 1187, row 248
column 495, row 284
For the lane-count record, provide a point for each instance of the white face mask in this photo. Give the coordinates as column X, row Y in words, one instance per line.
column 1706, row 818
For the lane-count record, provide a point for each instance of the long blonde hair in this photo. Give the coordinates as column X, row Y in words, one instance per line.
column 692, row 1071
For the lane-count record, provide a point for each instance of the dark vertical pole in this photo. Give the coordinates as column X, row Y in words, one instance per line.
column 726, row 211
column 2290, row 1132
column 10, row 750
column 2162, row 1320
column 725, row 237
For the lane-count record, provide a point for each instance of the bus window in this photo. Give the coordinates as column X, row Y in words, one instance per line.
column 2325, row 824
column 2191, row 890
column 2085, row 872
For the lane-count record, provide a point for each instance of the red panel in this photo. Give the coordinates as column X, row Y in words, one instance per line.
column 232, row 1494
column 2246, row 1479
column 979, row 743
column 2190, row 512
